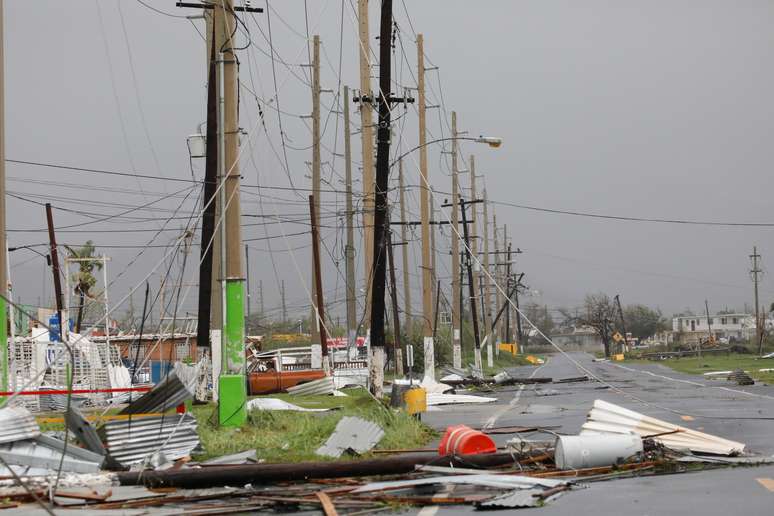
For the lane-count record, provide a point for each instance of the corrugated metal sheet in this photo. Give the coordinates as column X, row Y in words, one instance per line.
column 83, row 431
column 321, row 386
column 175, row 388
column 514, row 500
column 434, row 398
column 486, row 480
column 132, row 441
column 609, row 418
column 45, row 452
column 245, row 457
column 16, row 423
column 351, row 433
column 350, row 376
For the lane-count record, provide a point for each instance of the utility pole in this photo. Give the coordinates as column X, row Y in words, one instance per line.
column 508, row 265
column 623, row 323
column 366, row 142
column 473, row 245
column 499, row 297
column 428, row 233
column 3, row 237
column 247, row 278
column 404, row 238
column 455, row 251
column 471, row 284
column 232, row 394
column 315, row 198
column 57, row 274
column 260, row 297
column 380, row 202
column 319, row 305
column 349, row 250
column 755, row 272
column 487, row 283
column 709, row 326
column 284, row 306
column 397, row 356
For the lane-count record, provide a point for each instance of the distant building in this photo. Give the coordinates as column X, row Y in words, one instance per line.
column 736, row 326
column 581, row 338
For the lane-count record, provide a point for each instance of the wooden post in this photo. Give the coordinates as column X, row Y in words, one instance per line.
column 56, row 271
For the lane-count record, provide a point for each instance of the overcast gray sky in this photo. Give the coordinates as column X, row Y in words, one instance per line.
column 642, row 109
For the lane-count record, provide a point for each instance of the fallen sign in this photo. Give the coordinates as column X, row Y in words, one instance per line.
column 609, row 418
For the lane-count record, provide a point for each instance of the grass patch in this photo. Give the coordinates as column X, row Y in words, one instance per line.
column 284, row 436
column 694, row 365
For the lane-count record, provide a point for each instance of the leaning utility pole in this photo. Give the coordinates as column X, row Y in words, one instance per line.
column 376, row 366
column 455, row 251
column 4, row 247
column 404, row 238
column 474, row 237
column 428, row 266
column 232, row 396
column 366, row 142
column 57, row 274
column 349, row 249
column 507, row 247
column 755, row 272
column 318, row 307
column 315, row 198
column 284, row 306
column 487, row 282
column 471, row 284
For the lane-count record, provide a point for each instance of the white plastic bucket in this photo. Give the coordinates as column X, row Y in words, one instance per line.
column 593, row 450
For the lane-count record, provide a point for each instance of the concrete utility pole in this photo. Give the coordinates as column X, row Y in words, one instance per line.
column 349, row 250
column 232, row 388
column 247, row 279
column 471, row 285
column 404, row 239
column 315, row 330
column 427, row 234
column 755, row 272
column 499, row 297
column 487, row 283
column 3, row 238
column 455, row 251
column 381, row 220
column 260, row 297
column 397, row 356
column 367, row 144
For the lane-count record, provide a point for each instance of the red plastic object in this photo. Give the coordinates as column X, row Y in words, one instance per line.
column 463, row 440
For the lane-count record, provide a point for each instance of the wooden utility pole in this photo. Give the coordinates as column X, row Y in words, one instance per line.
column 709, row 326
column 455, row 251
column 397, row 356
column 380, row 201
column 349, row 249
column 260, row 297
column 471, row 284
column 284, row 306
column 425, row 211
column 404, row 238
column 63, row 327
column 315, row 199
column 499, row 297
column 474, row 236
column 367, row 144
column 755, row 272
column 3, row 236
column 487, row 283
column 319, row 306
column 232, row 389
column 247, row 279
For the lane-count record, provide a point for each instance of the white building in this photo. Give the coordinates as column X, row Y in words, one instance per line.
column 738, row 326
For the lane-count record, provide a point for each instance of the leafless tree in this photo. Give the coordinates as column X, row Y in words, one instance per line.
column 598, row 312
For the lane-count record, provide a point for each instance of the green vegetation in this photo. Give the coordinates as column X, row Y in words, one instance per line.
column 284, row 436
column 706, row 364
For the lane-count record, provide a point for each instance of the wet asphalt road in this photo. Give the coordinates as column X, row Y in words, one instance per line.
column 706, row 493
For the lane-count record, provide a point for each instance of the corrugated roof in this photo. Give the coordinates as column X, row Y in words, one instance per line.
column 175, row 388
column 351, row 433
column 321, row 386
column 486, row 480
column 514, row 500
column 132, row 441
column 17, row 423
column 45, row 452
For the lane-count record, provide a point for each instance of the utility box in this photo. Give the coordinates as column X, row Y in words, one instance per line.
column 513, row 349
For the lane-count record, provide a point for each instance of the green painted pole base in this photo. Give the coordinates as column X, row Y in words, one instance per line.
column 232, row 393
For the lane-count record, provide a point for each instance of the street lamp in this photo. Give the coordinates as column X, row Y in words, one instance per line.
column 493, row 141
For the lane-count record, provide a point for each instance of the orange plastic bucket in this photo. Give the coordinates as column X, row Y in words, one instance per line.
column 463, row 440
